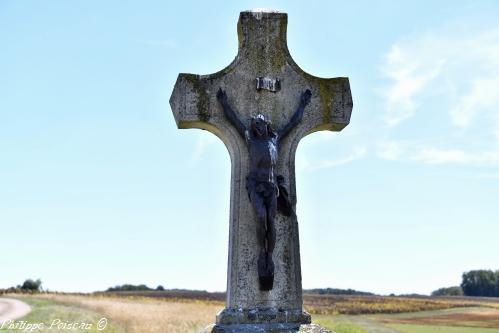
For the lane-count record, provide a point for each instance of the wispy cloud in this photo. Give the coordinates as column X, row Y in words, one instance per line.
column 449, row 76
column 482, row 96
column 305, row 164
column 390, row 150
column 461, row 67
column 411, row 76
column 434, row 155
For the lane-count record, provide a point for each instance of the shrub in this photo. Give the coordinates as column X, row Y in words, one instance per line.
column 32, row 285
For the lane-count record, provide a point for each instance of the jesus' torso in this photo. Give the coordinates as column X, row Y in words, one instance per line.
column 263, row 157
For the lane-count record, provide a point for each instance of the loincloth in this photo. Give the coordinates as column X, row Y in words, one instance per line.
column 263, row 188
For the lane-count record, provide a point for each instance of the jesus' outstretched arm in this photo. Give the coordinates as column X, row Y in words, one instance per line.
column 296, row 118
column 229, row 113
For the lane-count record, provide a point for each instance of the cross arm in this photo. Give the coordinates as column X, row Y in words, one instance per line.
column 192, row 102
column 331, row 105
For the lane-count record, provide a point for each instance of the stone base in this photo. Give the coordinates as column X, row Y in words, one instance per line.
column 262, row 316
column 266, row 328
column 267, row 320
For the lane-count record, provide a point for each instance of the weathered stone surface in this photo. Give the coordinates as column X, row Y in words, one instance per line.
column 267, row 315
column 263, row 53
column 266, row 328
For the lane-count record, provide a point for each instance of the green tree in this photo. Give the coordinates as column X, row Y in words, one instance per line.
column 480, row 283
column 32, row 285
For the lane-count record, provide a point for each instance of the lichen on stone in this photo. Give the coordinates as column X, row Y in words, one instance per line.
column 203, row 101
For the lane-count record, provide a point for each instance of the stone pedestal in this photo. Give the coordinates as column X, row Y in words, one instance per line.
column 266, row 328
column 268, row 320
column 262, row 316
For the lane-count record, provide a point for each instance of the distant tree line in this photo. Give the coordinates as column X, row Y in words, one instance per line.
column 167, row 293
column 483, row 283
column 335, row 291
column 480, row 283
column 28, row 286
column 131, row 287
column 450, row 291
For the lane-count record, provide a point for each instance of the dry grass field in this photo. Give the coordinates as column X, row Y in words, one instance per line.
column 477, row 317
column 345, row 314
column 353, row 305
column 147, row 315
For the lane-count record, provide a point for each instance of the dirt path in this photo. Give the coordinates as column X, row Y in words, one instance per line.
column 370, row 325
column 11, row 309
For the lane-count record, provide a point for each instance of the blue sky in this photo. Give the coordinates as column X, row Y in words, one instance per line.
column 98, row 187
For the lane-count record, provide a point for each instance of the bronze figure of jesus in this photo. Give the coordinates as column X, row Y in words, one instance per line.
column 265, row 189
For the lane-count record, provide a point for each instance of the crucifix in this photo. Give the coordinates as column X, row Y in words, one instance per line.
column 260, row 106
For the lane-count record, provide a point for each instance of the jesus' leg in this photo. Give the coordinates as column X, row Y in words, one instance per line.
column 261, row 215
column 271, row 207
column 258, row 202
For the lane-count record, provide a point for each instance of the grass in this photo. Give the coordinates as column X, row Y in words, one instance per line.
column 49, row 316
column 331, row 304
column 354, row 305
column 471, row 317
column 457, row 320
column 340, row 326
column 138, row 314
column 146, row 315
column 404, row 328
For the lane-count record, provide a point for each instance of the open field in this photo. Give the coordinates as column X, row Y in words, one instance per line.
column 474, row 317
column 50, row 316
column 440, row 329
column 332, row 304
column 144, row 315
column 456, row 320
column 131, row 314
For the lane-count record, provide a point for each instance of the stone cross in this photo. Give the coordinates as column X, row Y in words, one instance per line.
column 263, row 78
